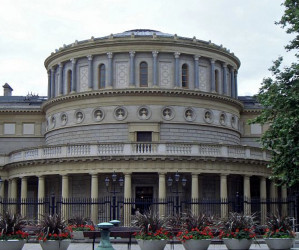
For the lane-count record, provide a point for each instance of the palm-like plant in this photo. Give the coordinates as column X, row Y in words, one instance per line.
column 279, row 227
column 238, row 226
column 53, row 227
column 201, row 221
column 10, row 223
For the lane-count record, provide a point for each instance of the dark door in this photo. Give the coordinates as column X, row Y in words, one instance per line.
column 144, row 198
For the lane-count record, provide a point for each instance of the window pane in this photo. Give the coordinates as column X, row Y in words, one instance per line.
column 143, row 75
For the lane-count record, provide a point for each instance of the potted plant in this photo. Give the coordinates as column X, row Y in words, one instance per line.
column 54, row 234
column 279, row 233
column 195, row 232
column 237, row 231
column 12, row 236
column 152, row 234
column 78, row 225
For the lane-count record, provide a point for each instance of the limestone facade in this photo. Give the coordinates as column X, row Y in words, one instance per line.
column 143, row 104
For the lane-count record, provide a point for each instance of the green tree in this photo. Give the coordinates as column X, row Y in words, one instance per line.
column 279, row 95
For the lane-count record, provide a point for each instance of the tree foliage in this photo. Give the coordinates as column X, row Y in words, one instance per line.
column 279, row 95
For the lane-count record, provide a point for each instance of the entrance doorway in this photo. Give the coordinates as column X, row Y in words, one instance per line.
column 144, row 198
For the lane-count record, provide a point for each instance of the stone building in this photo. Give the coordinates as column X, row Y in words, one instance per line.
column 143, row 104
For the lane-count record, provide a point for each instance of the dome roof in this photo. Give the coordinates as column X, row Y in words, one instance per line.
column 142, row 32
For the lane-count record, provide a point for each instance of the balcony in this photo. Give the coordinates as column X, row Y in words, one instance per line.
column 137, row 149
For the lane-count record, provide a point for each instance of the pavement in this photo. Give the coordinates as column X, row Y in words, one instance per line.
column 88, row 246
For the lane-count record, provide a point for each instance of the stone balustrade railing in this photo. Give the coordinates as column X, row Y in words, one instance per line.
column 136, row 149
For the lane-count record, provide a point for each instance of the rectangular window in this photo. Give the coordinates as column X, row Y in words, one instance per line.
column 144, row 136
column 28, row 129
column 9, row 128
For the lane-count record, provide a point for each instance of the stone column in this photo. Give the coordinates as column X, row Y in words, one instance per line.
column 74, row 73
column 236, row 84
column 196, row 72
column 224, row 79
column 41, row 196
column 90, row 72
column 194, row 194
column 52, row 82
column 284, row 196
column 223, row 195
column 155, row 68
column 213, row 83
column 2, row 193
column 263, row 197
column 127, row 196
column 232, row 84
column 273, row 197
column 247, row 195
column 177, row 69
column 60, row 79
column 110, row 70
column 94, row 197
column 49, row 84
column 65, row 196
column 162, row 193
column 14, row 194
column 24, row 195
column 132, row 69
column 9, row 189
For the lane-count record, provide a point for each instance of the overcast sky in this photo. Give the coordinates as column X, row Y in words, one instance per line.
column 30, row 30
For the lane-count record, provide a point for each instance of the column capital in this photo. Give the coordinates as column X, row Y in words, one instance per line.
column 90, row 57
column 177, row 54
column 73, row 60
column 109, row 54
column 212, row 60
column 64, row 175
column 162, row 173
column 52, row 69
column 132, row 53
column 155, row 53
column 247, row 176
column 224, row 65
column 60, row 65
column 196, row 57
column 223, row 175
column 23, row 177
column 94, row 175
column 127, row 173
column 195, row 174
column 49, row 72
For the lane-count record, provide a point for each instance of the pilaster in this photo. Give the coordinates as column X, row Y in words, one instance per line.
column 155, row 68
column 177, row 69
column 74, row 73
column 224, row 79
column 213, row 83
column 60, row 79
column 110, row 70
column 132, row 68
column 90, row 72
column 247, row 195
column 52, row 82
column 196, row 72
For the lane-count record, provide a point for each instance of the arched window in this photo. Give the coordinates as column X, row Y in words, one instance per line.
column 143, row 74
column 101, row 76
column 185, row 76
column 69, row 81
column 217, row 83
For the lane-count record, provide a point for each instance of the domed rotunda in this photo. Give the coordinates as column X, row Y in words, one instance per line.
column 138, row 115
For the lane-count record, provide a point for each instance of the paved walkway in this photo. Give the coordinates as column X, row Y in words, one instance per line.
column 88, row 246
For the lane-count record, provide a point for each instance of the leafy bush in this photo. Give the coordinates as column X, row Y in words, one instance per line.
column 238, row 226
column 279, row 227
column 53, row 227
column 11, row 226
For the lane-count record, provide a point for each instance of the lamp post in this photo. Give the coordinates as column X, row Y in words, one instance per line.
column 176, row 191
column 113, row 190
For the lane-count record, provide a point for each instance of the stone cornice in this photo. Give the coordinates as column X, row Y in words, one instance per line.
column 135, row 158
column 115, row 44
column 21, row 111
column 138, row 92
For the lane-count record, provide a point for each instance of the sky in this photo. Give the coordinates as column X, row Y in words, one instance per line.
column 30, row 30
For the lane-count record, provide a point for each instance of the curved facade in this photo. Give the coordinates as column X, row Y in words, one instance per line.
column 144, row 104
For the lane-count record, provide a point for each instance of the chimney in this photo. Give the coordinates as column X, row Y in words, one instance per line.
column 7, row 90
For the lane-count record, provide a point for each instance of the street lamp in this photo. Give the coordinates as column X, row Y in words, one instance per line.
column 113, row 190
column 176, row 191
